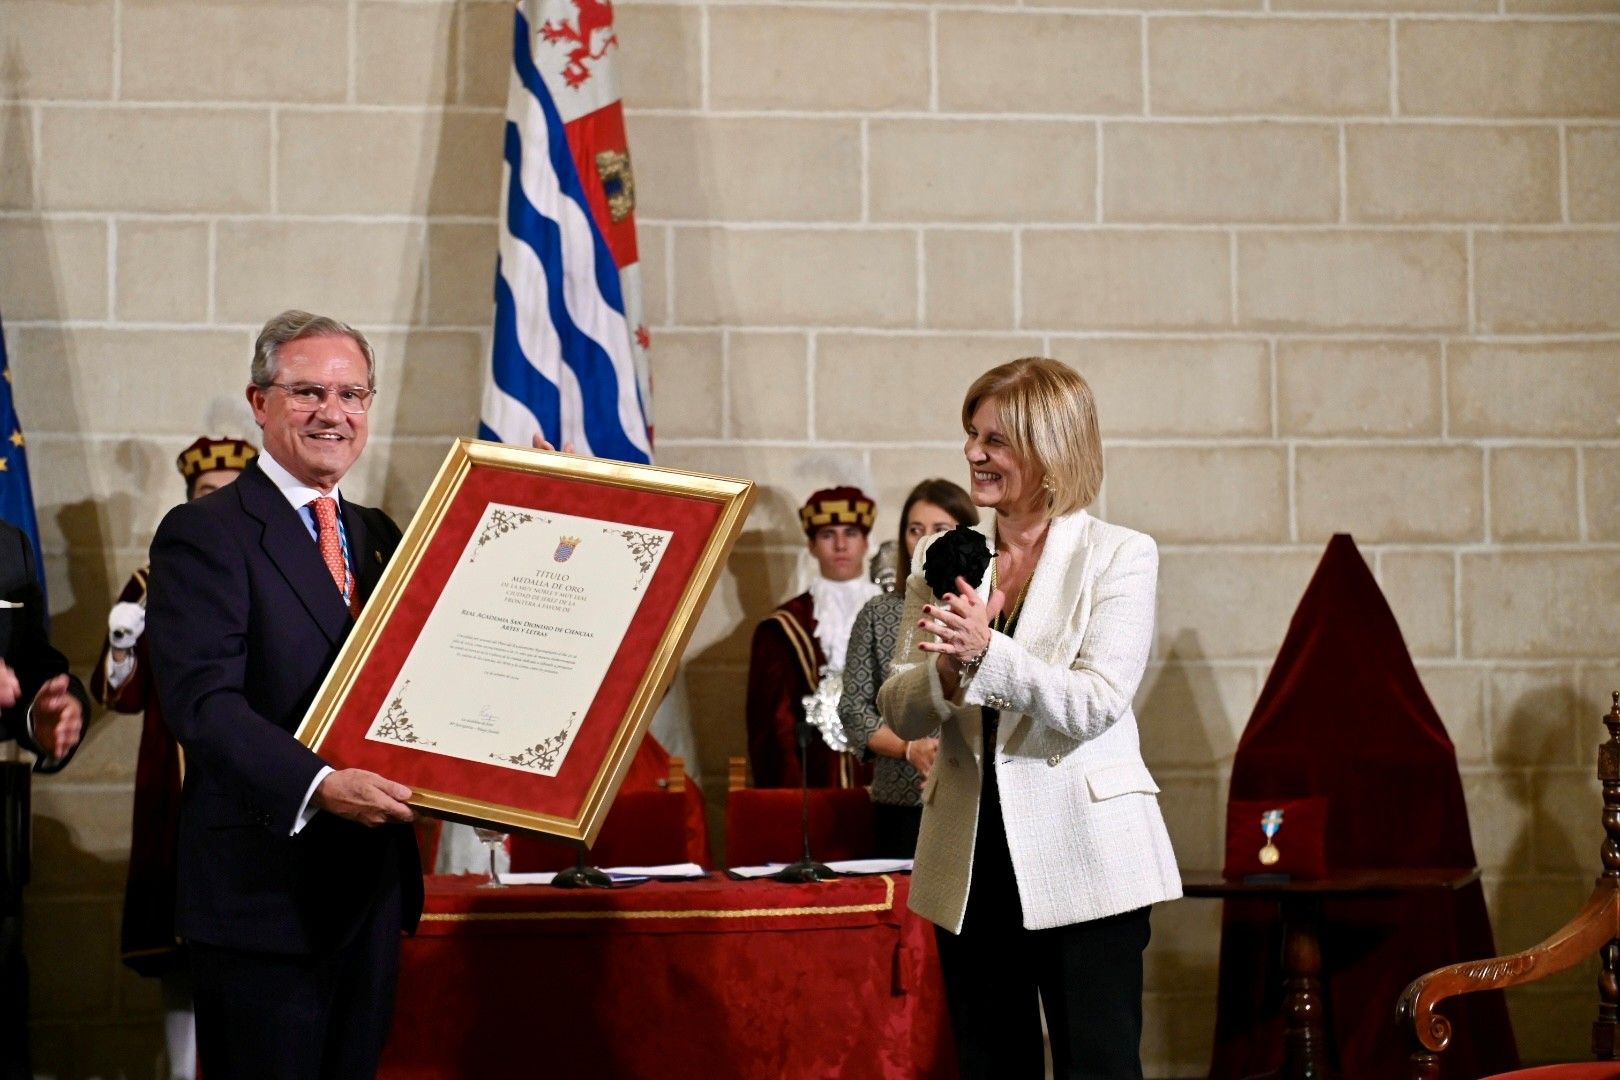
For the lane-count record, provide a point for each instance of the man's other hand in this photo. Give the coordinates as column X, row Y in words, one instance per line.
column 364, row 797
column 540, row 442
column 57, row 716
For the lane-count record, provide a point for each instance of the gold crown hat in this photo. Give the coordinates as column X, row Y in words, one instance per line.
column 837, row 506
column 208, row 455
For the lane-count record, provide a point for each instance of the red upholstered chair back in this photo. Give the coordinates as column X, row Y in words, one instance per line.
column 763, row 825
column 644, row 828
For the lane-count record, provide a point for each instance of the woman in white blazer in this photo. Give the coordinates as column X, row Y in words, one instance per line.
column 1042, row 845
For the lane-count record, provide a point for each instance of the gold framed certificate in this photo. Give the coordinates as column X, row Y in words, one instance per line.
column 513, row 653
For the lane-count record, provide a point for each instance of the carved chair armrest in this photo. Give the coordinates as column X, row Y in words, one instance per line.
column 1595, row 926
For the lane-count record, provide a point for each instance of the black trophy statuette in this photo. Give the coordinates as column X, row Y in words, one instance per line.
column 961, row 553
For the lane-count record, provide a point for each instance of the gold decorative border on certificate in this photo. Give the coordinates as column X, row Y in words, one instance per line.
column 685, row 913
column 396, row 726
column 542, row 755
column 734, row 498
column 502, row 522
column 644, row 548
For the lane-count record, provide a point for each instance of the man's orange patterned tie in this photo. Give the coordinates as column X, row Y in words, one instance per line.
column 326, row 522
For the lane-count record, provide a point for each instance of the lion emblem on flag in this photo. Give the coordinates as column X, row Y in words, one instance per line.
column 590, row 35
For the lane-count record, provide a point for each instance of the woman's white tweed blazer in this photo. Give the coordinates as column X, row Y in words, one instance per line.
column 1082, row 817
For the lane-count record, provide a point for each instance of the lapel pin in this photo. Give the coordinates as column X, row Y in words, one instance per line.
column 377, row 555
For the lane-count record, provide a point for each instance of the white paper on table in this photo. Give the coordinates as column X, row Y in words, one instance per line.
column 534, row 612
column 673, row 870
column 544, row 878
column 617, row 873
column 871, row 866
column 855, row 867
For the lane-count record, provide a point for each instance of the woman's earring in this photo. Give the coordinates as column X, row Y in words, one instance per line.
column 1047, row 485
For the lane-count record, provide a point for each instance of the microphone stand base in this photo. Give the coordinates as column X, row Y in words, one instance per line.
column 805, row 870
column 580, row 876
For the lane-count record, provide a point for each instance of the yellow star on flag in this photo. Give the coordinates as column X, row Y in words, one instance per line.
column 17, row 438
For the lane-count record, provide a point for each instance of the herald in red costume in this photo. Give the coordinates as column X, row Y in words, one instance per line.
column 797, row 645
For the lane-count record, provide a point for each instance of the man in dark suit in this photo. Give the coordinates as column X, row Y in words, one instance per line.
column 43, row 708
column 295, row 879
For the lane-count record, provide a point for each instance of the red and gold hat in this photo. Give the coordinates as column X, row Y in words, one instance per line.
column 837, row 506
column 209, row 455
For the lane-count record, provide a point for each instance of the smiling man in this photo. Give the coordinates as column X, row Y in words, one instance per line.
column 295, row 879
column 806, row 638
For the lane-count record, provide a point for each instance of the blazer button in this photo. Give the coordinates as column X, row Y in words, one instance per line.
column 1055, row 760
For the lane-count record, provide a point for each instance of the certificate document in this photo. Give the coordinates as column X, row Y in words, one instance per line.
column 529, row 621
column 509, row 657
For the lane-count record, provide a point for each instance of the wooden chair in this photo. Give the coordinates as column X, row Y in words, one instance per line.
column 765, row 825
column 1595, row 929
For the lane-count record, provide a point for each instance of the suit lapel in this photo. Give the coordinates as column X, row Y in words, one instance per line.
column 288, row 546
column 1054, row 591
column 369, row 558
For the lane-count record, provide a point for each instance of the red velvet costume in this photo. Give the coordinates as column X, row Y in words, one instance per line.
column 147, row 944
column 783, row 661
column 1343, row 715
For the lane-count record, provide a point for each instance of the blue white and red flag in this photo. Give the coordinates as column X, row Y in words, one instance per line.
column 569, row 356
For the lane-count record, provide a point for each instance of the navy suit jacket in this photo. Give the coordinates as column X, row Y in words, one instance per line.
column 243, row 621
column 25, row 644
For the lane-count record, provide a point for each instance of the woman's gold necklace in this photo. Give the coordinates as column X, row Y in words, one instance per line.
column 1008, row 617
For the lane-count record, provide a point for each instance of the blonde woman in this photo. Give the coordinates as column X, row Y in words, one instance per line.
column 1042, row 845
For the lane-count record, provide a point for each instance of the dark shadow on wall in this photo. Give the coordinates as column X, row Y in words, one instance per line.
column 92, row 1018
column 80, row 1026
column 45, row 385
column 435, row 377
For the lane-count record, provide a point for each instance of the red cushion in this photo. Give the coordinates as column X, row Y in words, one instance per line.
column 1585, row 1070
column 644, row 828
column 1300, row 842
column 763, row 825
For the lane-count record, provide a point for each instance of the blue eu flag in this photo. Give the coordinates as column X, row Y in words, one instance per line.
column 16, row 494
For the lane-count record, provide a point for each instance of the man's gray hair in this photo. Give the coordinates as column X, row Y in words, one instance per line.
column 293, row 325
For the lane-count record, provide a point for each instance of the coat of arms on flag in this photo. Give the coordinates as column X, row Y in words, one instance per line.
column 569, row 357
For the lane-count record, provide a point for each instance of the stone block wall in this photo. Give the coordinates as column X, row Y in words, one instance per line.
column 1330, row 264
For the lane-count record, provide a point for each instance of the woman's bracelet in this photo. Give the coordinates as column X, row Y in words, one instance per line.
column 971, row 664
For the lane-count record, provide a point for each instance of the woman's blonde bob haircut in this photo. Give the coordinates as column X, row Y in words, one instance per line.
column 1050, row 419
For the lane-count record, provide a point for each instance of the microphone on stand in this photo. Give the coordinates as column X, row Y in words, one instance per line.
column 807, row 868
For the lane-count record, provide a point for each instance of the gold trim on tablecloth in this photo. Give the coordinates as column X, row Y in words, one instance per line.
column 691, row 913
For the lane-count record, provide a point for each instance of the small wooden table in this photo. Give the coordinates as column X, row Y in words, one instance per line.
column 1305, row 1047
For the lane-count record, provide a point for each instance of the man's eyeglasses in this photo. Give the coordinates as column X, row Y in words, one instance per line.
column 310, row 397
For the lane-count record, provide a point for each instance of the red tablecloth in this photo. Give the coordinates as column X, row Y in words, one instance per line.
column 707, row 978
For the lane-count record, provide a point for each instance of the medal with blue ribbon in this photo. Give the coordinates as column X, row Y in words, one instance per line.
column 1270, row 822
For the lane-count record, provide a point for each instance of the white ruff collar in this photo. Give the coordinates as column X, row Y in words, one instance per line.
column 837, row 603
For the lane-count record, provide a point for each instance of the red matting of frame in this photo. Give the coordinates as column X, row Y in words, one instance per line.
column 691, row 520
